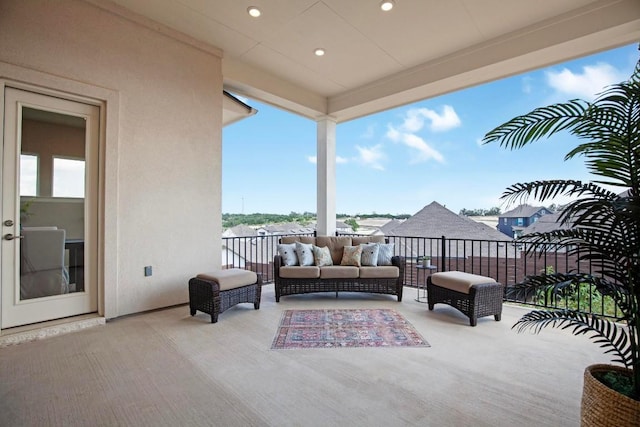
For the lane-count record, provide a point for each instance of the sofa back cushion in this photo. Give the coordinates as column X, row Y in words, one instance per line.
column 368, row 239
column 335, row 245
column 301, row 239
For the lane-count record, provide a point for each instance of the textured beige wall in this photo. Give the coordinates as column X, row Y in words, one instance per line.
column 168, row 148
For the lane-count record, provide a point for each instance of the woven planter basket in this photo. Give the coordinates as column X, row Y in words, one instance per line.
column 604, row 407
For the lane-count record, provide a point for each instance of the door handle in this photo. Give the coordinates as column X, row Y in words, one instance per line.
column 12, row 237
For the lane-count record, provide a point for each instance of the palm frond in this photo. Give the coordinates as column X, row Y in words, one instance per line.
column 607, row 334
column 541, row 122
column 542, row 190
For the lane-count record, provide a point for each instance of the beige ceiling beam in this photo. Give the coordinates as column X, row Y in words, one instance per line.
column 597, row 27
column 243, row 79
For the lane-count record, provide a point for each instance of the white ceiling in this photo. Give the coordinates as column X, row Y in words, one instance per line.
column 378, row 60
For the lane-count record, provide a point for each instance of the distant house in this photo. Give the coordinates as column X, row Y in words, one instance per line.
column 343, row 227
column 514, row 221
column 386, row 228
column 427, row 226
column 239, row 231
column 545, row 224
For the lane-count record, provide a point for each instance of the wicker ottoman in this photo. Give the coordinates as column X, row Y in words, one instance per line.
column 215, row 292
column 475, row 296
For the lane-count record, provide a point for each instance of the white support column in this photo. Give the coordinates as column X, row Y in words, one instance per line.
column 326, row 170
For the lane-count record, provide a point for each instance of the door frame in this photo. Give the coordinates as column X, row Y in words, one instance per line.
column 16, row 310
column 107, row 100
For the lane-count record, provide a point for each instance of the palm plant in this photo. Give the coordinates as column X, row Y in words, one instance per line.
column 604, row 224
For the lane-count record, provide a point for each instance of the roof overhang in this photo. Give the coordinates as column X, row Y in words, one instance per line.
column 375, row 60
column 234, row 110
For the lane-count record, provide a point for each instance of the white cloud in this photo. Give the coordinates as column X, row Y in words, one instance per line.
column 341, row 160
column 369, row 132
column 371, row 156
column 526, row 85
column 393, row 134
column 312, row 159
column 438, row 122
column 587, row 84
column 414, row 120
column 446, row 121
column 422, row 150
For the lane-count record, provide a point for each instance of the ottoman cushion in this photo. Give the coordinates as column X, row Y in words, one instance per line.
column 458, row 281
column 231, row 278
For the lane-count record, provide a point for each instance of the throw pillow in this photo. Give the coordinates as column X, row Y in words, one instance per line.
column 322, row 256
column 385, row 252
column 369, row 254
column 351, row 255
column 288, row 253
column 305, row 253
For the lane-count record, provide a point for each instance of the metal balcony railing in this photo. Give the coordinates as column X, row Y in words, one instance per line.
column 506, row 261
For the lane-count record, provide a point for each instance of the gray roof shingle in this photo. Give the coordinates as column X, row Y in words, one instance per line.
column 434, row 220
column 522, row 211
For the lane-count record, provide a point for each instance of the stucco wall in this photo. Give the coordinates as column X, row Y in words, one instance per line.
column 168, row 147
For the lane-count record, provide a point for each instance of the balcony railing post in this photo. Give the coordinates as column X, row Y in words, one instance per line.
column 443, row 253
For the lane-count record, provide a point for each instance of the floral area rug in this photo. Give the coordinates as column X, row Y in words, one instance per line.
column 345, row 328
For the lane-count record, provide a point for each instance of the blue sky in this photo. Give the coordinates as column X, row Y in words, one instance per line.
column 402, row 159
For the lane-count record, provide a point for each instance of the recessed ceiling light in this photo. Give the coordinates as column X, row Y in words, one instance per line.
column 387, row 5
column 319, row 51
column 254, row 11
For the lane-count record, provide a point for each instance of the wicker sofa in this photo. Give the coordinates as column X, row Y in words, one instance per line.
column 300, row 279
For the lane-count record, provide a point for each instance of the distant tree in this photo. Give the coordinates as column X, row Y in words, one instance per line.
column 480, row 212
column 231, row 220
column 493, row 211
column 352, row 223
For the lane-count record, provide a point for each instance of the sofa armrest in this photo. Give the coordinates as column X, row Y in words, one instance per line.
column 400, row 262
column 277, row 263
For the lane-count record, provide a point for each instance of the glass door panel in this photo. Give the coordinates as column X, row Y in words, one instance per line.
column 52, row 178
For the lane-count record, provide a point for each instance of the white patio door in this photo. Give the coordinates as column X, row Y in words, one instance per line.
column 49, row 208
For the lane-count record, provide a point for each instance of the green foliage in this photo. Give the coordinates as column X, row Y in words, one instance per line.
column 602, row 226
column 353, row 223
column 377, row 215
column 231, row 220
column 24, row 210
column 495, row 211
column 583, row 297
column 617, row 381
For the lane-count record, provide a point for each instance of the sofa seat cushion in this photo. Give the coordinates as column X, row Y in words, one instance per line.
column 300, row 272
column 380, row 272
column 335, row 245
column 458, row 281
column 339, row 272
column 231, row 278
